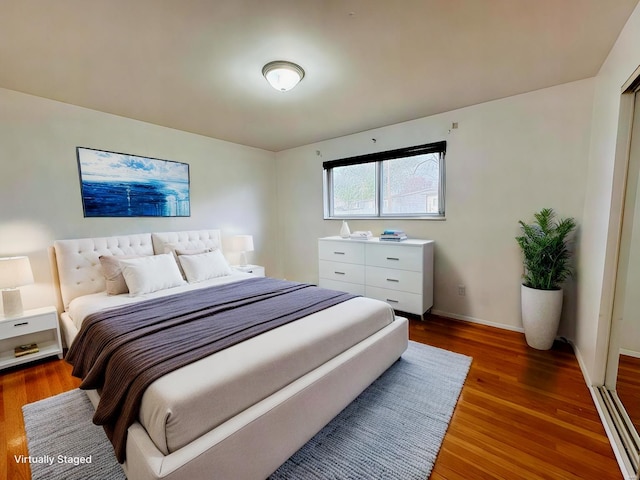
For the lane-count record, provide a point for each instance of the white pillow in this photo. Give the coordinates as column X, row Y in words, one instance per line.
column 175, row 250
column 151, row 273
column 204, row 266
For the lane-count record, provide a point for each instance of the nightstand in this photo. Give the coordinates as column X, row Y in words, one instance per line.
column 38, row 326
column 256, row 270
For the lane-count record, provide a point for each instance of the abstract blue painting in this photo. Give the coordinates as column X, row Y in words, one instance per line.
column 121, row 185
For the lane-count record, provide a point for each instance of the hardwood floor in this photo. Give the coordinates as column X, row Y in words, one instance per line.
column 628, row 387
column 18, row 387
column 522, row 414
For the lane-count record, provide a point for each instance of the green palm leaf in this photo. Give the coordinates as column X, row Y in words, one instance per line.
column 545, row 249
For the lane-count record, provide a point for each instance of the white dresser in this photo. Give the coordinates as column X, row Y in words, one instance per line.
column 400, row 274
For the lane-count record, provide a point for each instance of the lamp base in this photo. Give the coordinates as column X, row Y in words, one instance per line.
column 243, row 259
column 12, row 302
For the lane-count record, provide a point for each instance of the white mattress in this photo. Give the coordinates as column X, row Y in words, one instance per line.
column 184, row 404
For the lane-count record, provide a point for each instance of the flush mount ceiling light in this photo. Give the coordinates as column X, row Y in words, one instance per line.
column 282, row 75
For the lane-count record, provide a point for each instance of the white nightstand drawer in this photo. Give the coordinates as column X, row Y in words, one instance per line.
column 402, row 257
column 341, row 272
column 404, row 301
column 403, row 280
column 341, row 251
column 25, row 325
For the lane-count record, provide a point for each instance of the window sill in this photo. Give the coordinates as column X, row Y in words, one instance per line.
column 390, row 217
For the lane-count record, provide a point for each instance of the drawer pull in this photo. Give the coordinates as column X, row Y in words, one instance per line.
column 339, row 273
column 338, row 253
column 20, row 324
column 392, row 301
column 393, row 280
column 393, row 258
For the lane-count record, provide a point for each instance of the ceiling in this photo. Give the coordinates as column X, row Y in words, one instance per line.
column 195, row 65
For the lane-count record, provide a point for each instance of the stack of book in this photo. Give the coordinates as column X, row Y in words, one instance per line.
column 26, row 349
column 393, row 236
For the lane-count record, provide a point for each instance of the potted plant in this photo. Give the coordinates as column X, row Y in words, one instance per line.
column 546, row 265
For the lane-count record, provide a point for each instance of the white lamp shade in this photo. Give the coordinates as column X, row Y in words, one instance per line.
column 243, row 243
column 15, row 272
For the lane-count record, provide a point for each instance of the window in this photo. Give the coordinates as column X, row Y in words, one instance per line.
column 407, row 182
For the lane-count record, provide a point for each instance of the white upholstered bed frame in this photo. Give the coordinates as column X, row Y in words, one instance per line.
column 255, row 442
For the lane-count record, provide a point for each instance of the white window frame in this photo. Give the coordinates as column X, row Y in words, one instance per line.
column 378, row 158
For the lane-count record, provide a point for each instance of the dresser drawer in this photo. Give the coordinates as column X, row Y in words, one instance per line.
column 356, row 289
column 338, row 251
column 404, row 301
column 403, row 280
column 341, row 272
column 395, row 256
column 23, row 326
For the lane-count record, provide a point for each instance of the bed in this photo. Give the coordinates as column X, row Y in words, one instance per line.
column 259, row 399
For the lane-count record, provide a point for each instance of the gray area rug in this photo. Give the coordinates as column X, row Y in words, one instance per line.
column 393, row 430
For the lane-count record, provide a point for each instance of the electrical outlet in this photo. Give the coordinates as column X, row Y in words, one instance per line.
column 462, row 290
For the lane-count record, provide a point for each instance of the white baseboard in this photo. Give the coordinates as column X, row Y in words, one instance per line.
column 467, row 318
column 583, row 366
column 629, row 353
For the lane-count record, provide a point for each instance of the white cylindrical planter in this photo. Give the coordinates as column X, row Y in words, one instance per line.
column 541, row 311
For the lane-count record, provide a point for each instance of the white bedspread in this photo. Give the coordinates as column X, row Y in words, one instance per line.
column 184, row 404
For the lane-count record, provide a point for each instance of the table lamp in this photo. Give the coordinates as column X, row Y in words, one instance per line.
column 14, row 272
column 243, row 244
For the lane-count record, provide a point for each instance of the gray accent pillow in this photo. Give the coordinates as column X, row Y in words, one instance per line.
column 112, row 272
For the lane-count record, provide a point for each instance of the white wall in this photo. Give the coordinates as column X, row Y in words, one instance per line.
column 508, row 159
column 603, row 204
column 232, row 186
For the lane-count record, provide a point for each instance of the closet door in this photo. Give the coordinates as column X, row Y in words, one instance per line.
column 622, row 378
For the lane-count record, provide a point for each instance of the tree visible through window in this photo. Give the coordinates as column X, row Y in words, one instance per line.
column 411, row 185
column 354, row 189
column 402, row 183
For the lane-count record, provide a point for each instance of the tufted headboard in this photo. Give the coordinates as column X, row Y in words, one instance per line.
column 79, row 269
column 187, row 240
column 78, row 264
